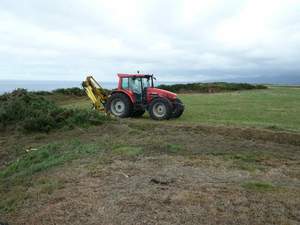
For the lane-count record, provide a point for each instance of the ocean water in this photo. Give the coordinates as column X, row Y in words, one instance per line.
column 42, row 85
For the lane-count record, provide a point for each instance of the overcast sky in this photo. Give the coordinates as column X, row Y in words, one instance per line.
column 249, row 40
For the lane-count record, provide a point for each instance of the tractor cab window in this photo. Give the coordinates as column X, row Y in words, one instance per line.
column 125, row 83
column 135, row 85
column 146, row 82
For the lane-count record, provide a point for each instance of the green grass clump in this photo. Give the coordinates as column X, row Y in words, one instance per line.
column 32, row 112
column 174, row 148
column 48, row 156
column 210, row 87
column 48, row 186
column 130, row 151
column 17, row 176
column 35, row 161
column 247, row 160
column 258, row 186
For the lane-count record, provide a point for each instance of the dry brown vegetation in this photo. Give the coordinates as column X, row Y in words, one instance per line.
column 133, row 172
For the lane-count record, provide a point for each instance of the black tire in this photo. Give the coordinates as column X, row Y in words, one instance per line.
column 119, row 105
column 138, row 113
column 178, row 108
column 160, row 109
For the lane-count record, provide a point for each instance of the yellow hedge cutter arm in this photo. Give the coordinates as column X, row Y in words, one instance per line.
column 96, row 93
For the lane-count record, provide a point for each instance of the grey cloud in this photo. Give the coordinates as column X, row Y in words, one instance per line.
column 180, row 40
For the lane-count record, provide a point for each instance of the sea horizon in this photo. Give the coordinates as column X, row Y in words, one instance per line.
column 9, row 85
column 44, row 85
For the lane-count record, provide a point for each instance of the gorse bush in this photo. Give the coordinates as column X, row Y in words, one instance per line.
column 32, row 112
column 74, row 91
column 44, row 93
column 70, row 91
column 210, row 87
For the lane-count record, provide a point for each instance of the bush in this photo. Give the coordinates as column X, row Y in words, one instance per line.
column 75, row 91
column 43, row 93
column 32, row 112
column 210, row 87
column 70, row 91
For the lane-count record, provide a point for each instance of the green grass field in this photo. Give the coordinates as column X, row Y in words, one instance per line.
column 274, row 108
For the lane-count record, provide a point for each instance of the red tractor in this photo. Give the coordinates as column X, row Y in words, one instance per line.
column 135, row 94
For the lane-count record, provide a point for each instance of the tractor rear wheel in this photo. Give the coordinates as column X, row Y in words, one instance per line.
column 160, row 109
column 119, row 105
column 178, row 108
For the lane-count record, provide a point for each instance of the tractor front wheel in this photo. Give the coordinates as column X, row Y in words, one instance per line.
column 160, row 109
column 119, row 105
column 178, row 108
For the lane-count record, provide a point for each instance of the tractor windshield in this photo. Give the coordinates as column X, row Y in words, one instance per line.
column 137, row 84
column 147, row 82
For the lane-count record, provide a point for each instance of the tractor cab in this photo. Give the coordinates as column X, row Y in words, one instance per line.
column 137, row 85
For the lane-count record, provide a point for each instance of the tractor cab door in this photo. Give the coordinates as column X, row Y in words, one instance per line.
column 147, row 82
column 139, row 86
column 135, row 85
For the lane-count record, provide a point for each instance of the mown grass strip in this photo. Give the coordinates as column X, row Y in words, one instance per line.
column 17, row 177
column 258, row 186
column 48, row 156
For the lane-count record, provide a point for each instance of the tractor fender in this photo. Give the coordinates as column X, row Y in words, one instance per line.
column 128, row 93
column 154, row 97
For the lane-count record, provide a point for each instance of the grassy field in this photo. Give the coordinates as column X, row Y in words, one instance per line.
column 273, row 108
column 276, row 108
column 194, row 170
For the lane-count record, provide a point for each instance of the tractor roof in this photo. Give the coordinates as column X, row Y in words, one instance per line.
column 124, row 75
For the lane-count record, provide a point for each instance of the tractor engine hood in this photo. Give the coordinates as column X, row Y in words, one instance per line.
column 162, row 93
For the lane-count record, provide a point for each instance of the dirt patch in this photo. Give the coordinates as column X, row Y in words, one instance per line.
column 124, row 193
column 164, row 174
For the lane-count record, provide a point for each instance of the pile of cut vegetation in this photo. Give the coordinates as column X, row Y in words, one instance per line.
column 29, row 111
column 210, row 87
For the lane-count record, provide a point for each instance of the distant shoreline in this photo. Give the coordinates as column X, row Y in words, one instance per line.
column 43, row 85
column 50, row 85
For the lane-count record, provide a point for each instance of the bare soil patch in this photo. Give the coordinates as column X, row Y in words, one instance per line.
column 167, row 174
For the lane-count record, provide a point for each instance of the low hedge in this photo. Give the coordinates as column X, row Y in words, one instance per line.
column 210, row 87
column 70, row 91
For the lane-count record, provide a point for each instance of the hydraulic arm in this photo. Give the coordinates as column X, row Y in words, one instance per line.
column 96, row 93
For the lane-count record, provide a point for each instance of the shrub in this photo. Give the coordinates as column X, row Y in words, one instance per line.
column 70, row 91
column 210, row 87
column 32, row 112
column 43, row 93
